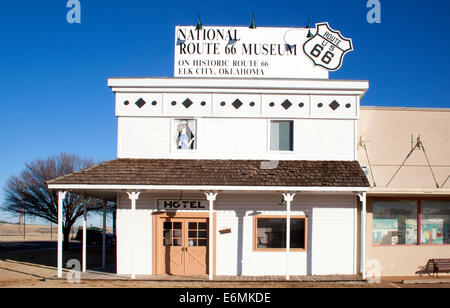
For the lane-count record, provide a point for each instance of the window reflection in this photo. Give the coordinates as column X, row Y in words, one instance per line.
column 435, row 222
column 271, row 233
column 394, row 222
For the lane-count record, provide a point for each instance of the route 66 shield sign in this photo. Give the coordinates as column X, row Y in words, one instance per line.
column 328, row 47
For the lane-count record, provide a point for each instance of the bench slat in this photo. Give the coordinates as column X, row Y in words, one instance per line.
column 441, row 265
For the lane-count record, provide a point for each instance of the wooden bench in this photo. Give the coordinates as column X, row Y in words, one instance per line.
column 441, row 266
column 436, row 266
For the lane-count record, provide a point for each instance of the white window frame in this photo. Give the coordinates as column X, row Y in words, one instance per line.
column 280, row 249
column 173, row 145
column 269, row 135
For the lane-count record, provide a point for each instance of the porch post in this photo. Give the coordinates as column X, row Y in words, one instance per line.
column 288, row 198
column 211, row 197
column 133, row 196
column 362, row 198
column 61, row 196
column 104, row 236
column 84, row 237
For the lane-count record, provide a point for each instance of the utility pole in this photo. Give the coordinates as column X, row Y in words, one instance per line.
column 20, row 221
column 114, row 222
column 24, row 226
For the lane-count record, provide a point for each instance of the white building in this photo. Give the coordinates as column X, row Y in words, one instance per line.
column 235, row 176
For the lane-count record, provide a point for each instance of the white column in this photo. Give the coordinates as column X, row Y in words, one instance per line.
column 104, row 236
column 84, row 236
column 133, row 196
column 211, row 197
column 61, row 196
column 362, row 198
column 288, row 198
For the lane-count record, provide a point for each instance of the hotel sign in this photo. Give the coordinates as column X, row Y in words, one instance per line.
column 240, row 52
column 183, row 205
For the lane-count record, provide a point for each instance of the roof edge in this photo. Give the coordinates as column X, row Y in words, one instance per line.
column 210, row 187
column 79, row 171
column 404, row 108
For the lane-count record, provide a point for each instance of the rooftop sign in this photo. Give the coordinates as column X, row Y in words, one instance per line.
column 327, row 48
column 241, row 52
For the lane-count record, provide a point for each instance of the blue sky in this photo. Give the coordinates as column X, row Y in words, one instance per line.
column 53, row 75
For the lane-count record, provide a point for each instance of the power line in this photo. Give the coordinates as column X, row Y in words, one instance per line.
column 445, row 181
column 429, row 165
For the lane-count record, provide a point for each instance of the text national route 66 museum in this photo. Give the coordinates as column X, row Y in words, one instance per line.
column 250, row 161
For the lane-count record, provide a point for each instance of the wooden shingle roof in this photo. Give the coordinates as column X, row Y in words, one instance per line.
column 220, row 173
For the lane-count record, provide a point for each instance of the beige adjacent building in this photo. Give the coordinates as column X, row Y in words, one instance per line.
column 407, row 154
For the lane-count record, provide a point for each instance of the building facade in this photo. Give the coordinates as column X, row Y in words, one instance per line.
column 282, row 175
column 408, row 204
column 215, row 169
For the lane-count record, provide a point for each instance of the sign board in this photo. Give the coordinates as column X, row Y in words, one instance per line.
column 241, row 52
column 328, row 47
column 183, row 205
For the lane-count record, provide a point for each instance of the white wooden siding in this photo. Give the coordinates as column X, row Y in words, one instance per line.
column 143, row 137
column 143, row 239
column 331, row 244
column 229, row 138
column 334, row 246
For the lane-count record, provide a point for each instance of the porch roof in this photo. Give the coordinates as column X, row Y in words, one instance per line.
column 220, row 173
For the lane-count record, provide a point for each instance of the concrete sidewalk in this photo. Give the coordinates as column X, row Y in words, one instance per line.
column 427, row 281
column 444, row 279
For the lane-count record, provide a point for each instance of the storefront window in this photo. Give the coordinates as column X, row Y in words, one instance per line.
column 394, row 222
column 435, row 222
column 271, row 233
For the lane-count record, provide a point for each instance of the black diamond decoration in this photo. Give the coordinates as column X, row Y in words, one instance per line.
column 334, row 105
column 286, row 104
column 237, row 104
column 140, row 103
column 187, row 103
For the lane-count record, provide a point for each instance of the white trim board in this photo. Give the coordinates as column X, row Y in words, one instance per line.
column 209, row 188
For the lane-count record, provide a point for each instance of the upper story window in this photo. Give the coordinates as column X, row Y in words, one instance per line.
column 281, row 135
column 186, row 134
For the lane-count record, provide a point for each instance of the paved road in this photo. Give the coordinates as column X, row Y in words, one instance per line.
column 27, row 245
column 32, row 245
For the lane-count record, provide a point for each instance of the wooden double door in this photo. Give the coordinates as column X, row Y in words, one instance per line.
column 183, row 246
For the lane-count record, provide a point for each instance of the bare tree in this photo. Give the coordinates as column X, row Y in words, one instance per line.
column 28, row 193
